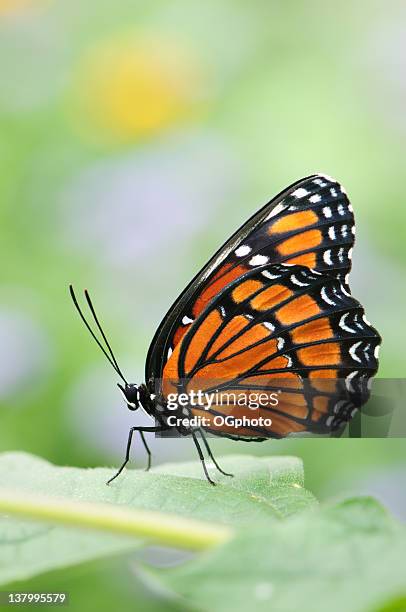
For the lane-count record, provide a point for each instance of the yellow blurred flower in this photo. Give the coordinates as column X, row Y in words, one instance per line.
column 131, row 88
column 14, row 6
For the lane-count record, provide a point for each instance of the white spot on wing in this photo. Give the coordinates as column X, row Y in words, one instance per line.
column 269, row 326
column 376, row 351
column 281, row 343
column 315, row 198
column 186, row 320
column 366, row 351
column 325, row 298
column 331, row 233
column 258, row 260
column 344, row 290
column 344, row 326
column 358, row 323
column 352, row 352
column 349, row 379
column 267, row 274
column 300, row 193
column 295, row 281
column 275, row 211
column 327, row 212
column 242, row 250
column 327, row 257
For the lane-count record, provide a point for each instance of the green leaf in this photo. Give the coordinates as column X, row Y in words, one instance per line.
column 261, row 491
column 347, row 557
column 275, row 481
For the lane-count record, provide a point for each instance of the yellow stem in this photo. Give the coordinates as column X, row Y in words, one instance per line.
column 156, row 527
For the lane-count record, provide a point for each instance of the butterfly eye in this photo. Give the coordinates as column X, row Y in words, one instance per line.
column 131, row 395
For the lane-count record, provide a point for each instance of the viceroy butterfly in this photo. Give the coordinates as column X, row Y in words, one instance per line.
column 272, row 309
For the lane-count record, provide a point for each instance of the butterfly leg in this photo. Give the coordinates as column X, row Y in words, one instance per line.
column 209, row 452
column 129, row 441
column 149, row 454
column 199, row 450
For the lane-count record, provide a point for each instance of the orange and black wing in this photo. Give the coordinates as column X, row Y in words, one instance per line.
column 311, row 223
column 281, row 329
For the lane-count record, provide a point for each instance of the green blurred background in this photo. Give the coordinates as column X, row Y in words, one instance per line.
column 134, row 138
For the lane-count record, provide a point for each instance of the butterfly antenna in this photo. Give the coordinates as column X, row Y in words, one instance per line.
column 99, row 327
column 110, row 356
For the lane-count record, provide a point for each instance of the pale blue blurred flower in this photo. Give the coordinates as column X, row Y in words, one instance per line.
column 25, row 353
column 135, row 208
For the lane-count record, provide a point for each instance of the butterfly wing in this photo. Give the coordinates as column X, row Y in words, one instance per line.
column 281, row 328
column 310, row 223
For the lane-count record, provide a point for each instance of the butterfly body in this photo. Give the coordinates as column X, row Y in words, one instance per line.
column 270, row 313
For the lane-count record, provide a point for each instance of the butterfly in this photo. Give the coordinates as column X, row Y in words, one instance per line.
column 271, row 314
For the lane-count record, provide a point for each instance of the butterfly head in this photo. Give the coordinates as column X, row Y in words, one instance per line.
column 131, row 395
